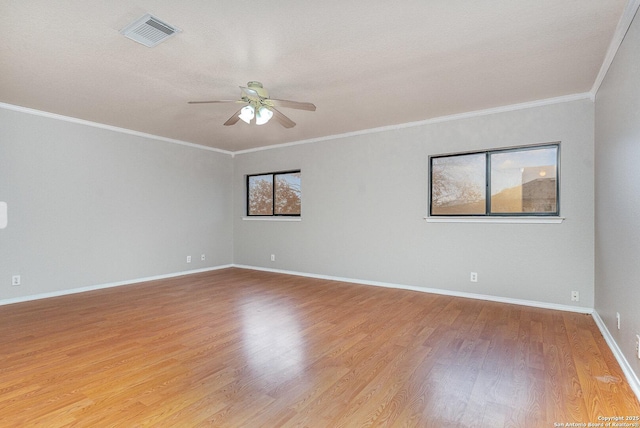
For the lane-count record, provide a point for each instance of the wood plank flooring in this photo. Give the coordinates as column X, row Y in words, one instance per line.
column 240, row 348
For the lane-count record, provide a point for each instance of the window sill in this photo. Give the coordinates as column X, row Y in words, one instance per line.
column 270, row 218
column 515, row 220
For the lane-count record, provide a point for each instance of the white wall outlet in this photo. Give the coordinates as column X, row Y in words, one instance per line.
column 575, row 296
column 618, row 319
column 473, row 277
column 638, row 346
column 15, row 280
column 273, row 257
column 202, row 257
column 188, row 259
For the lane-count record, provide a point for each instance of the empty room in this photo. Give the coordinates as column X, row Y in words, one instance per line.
column 319, row 214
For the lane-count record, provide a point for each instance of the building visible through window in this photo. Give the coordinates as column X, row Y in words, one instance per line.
column 520, row 181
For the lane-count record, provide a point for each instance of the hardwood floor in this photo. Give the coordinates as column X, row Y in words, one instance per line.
column 240, row 348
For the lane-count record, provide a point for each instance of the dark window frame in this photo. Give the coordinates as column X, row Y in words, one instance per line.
column 487, row 154
column 273, row 194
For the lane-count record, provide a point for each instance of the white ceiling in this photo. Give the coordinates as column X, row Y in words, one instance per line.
column 364, row 64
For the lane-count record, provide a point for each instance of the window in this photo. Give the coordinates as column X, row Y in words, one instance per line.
column 274, row 194
column 509, row 182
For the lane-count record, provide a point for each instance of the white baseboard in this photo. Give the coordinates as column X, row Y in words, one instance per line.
column 508, row 300
column 108, row 285
column 631, row 376
column 521, row 302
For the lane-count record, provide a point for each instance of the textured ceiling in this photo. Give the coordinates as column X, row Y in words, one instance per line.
column 364, row 64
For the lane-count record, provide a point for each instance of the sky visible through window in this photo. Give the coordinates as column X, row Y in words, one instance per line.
column 507, row 168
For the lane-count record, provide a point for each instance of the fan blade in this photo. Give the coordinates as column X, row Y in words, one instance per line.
column 233, row 119
column 293, row 104
column 216, row 101
column 282, row 119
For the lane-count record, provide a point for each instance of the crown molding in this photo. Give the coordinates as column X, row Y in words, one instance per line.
column 108, row 127
column 624, row 23
column 440, row 119
column 476, row 113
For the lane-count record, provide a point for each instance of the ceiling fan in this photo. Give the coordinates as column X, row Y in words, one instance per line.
column 258, row 105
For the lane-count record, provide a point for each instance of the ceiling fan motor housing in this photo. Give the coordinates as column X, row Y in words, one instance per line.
column 260, row 106
column 258, row 88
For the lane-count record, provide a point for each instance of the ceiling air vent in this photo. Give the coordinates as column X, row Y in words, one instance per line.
column 149, row 31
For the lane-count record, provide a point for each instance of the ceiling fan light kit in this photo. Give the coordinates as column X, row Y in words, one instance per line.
column 260, row 106
column 263, row 115
column 246, row 114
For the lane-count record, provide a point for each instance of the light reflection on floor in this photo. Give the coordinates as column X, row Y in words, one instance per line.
column 272, row 340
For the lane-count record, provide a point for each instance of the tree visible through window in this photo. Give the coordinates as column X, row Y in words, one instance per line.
column 274, row 194
column 458, row 184
column 521, row 181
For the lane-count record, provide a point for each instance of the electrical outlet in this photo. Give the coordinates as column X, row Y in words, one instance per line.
column 273, row 257
column 188, row 259
column 202, row 257
column 638, row 346
column 473, row 277
column 15, row 280
column 575, row 296
column 618, row 319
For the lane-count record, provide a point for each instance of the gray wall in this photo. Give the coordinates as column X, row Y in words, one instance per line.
column 90, row 206
column 617, row 202
column 364, row 198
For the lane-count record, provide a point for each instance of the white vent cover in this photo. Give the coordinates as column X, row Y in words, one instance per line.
column 149, row 31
